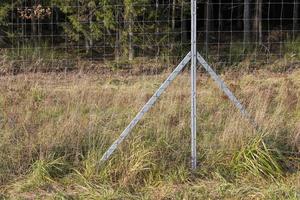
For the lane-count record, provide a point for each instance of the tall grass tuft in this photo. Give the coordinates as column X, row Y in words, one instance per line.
column 258, row 159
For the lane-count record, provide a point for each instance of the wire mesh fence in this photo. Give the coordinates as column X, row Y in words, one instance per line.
column 76, row 116
column 59, row 35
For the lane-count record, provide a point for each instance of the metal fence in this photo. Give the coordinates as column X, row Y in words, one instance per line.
column 60, row 35
column 151, row 35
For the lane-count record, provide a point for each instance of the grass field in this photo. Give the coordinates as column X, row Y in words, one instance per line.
column 55, row 128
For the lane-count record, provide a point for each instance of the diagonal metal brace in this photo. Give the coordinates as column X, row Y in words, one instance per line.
column 227, row 91
column 146, row 107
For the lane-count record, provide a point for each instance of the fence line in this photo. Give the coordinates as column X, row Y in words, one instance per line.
column 228, row 31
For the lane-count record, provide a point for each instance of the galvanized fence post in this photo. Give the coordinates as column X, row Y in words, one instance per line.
column 193, row 83
column 194, row 57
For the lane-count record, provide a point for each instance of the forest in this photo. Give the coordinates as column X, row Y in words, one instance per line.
column 101, row 29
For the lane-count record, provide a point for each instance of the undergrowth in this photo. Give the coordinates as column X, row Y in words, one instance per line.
column 55, row 129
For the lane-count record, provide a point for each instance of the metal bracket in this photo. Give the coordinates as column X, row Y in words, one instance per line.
column 161, row 90
column 146, row 107
column 226, row 90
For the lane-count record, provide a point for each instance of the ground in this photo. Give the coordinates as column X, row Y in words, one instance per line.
column 56, row 126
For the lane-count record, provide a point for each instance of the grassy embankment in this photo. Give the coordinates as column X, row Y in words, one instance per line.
column 54, row 130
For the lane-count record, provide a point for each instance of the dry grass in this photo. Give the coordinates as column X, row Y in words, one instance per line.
column 55, row 127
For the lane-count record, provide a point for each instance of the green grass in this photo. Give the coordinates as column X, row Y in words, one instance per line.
column 292, row 47
column 54, row 130
column 256, row 158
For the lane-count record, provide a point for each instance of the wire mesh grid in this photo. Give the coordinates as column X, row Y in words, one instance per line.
column 62, row 34
column 152, row 36
column 94, row 31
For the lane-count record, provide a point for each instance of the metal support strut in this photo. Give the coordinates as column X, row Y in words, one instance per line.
column 192, row 56
column 146, row 107
column 226, row 90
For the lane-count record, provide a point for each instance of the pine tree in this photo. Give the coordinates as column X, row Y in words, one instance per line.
column 87, row 20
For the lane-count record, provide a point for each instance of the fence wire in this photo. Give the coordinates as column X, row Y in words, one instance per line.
column 148, row 37
column 60, row 35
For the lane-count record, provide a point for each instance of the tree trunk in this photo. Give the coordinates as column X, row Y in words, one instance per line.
column 56, row 14
column 157, row 28
column 117, row 38
column 88, row 38
column 130, row 33
column 87, row 45
column 257, row 28
column 173, row 23
column 40, row 30
column 2, row 36
column 220, row 26
column 295, row 18
column 239, row 17
column 35, row 24
column 260, row 33
column 247, row 34
column 184, row 34
column 208, row 14
column 220, row 16
column 34, row 30
column 173, row 15
column 128, row 18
